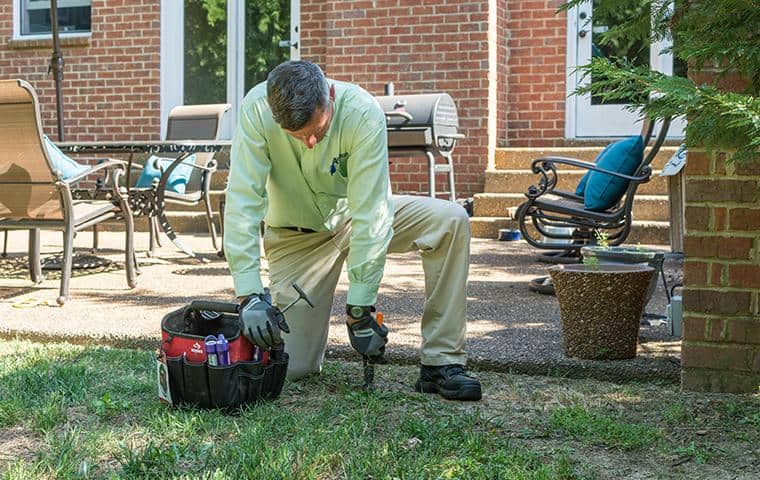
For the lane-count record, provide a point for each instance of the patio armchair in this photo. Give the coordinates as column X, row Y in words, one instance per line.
column 190, row 122
column 35, row 195
column 560, row 220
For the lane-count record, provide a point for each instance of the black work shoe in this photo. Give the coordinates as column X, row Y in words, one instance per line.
column 450, row 381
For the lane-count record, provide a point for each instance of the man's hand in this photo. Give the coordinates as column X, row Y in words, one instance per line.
column 262, row 321
column 366, row 335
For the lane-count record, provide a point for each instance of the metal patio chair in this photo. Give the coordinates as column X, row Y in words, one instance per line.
column 550, row 215
column 189, row 122
column 33, row 194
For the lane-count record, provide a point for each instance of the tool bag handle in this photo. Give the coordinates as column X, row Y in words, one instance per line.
column 223, row 307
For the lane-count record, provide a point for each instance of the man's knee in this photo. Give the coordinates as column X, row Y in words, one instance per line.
column 298, row 371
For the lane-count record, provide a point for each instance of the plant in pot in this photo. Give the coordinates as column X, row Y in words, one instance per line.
column 603, row 253
column 600, row 307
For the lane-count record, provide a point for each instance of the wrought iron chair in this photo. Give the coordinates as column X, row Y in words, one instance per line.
column 550, row 214
column 33, row 193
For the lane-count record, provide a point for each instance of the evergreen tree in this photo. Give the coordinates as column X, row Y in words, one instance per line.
column 720, row 36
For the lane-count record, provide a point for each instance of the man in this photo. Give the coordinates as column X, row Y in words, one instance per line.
column 310, row 157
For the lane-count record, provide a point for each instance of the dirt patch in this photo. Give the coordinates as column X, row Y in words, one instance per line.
column 17, row 443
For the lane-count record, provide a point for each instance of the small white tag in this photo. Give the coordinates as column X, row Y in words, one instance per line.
column 162, row 377
column 676, row 162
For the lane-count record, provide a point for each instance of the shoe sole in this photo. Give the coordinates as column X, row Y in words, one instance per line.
column 466, row 394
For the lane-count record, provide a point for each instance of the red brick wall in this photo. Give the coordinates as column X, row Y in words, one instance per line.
column 721, row 347
column 430, row 46
column 111, row 81
column 537, row 47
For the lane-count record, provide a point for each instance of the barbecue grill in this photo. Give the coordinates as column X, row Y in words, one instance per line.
column 424, row 124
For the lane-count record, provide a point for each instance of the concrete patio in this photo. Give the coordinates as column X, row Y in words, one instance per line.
column 509, row 327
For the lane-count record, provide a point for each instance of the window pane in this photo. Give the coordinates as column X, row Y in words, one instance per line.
column 73, row 16
column 205, row 75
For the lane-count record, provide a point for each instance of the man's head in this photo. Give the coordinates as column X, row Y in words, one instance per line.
column 301, row 100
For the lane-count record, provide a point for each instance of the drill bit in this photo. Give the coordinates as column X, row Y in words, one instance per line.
column 369, row 374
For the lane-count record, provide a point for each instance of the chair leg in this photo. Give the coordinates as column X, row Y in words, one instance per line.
column 68, row 257
column 5, row 245
column 210, row 222
column 95, row 238
column 151, row 237
column 130, row 259
column 35, row 268
column 157, row 229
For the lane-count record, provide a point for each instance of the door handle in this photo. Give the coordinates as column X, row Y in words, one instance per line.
column 288, row 44
column 581, row 34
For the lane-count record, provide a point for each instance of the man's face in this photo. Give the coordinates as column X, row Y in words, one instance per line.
column 316, row 128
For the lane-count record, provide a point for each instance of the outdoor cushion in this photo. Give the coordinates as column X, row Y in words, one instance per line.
column 603, row 191
column 581, row 188
column 62, row 162
column 178, row 179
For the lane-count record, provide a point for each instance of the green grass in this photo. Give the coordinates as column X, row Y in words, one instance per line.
column 69, row 411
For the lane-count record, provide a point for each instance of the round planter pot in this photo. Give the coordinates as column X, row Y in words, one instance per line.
column 629, row 256
column 600, row 307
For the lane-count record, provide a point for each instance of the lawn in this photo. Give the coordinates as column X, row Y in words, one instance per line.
column 68, row 411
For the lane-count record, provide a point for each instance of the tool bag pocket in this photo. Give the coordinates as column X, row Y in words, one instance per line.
column 226, row 387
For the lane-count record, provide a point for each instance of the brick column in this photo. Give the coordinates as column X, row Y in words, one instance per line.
column 721, row 347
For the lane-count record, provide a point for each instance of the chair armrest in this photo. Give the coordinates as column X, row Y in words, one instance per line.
column 211, row 168
column 549, row 162
column 105, row 163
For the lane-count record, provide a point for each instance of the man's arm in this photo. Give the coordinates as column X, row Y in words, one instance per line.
column 246, row 202
column 371, row 206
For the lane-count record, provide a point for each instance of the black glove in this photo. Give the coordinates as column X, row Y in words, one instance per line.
column 261, row 320
column 366, row 335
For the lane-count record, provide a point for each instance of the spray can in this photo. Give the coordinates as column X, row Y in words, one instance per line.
column 210, row 344
column 222, row 350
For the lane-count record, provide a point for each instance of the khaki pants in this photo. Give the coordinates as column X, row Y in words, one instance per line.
column 439, row 229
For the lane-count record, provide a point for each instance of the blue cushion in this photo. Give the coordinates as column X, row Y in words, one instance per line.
column 62, row 162
column 604, row 191
column 177, row 181
column 580, row 190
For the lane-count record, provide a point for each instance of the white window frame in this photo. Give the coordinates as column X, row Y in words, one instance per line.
column 18, row 6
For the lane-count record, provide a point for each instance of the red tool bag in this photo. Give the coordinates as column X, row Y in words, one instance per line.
column 185, row 374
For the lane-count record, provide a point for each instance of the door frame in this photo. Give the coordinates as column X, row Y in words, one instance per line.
column 661, row 63
column 172, row 87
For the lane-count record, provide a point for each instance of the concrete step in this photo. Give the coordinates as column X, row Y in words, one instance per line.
column 645, row 207
column 219, row 179
column 518, row 181
column 648, row 233
column 181, row 222
column 216, row 196
column 518, row 158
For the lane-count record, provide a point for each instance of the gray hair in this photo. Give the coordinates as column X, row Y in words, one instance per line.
column 295, row 89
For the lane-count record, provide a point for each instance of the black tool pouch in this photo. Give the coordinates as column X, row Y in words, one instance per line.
column 226, row 387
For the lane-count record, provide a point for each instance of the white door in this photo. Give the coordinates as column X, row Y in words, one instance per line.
column 214, row 51
column 588, row 116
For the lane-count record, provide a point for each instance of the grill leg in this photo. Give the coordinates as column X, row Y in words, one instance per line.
column 450, row 162
column 431, row 172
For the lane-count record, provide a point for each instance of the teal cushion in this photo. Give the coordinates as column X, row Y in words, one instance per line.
column 178, row 179
column 580, row 190
column 604, row 191
column 62, row 162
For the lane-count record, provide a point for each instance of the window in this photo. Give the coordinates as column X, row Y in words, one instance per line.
column 73, row 16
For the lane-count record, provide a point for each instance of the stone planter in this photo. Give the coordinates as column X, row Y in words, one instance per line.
column 629, row 256
column 600, row 307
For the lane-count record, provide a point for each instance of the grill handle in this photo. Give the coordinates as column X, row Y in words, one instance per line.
column 406, row 115
column 455, row 136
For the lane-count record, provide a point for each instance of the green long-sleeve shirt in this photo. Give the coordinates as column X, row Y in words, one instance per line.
column 275, row 177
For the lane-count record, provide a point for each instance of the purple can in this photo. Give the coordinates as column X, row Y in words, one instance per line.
column 222, row 350
column 211, row 344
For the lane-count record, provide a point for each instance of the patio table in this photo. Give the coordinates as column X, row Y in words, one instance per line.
column 150, row 201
